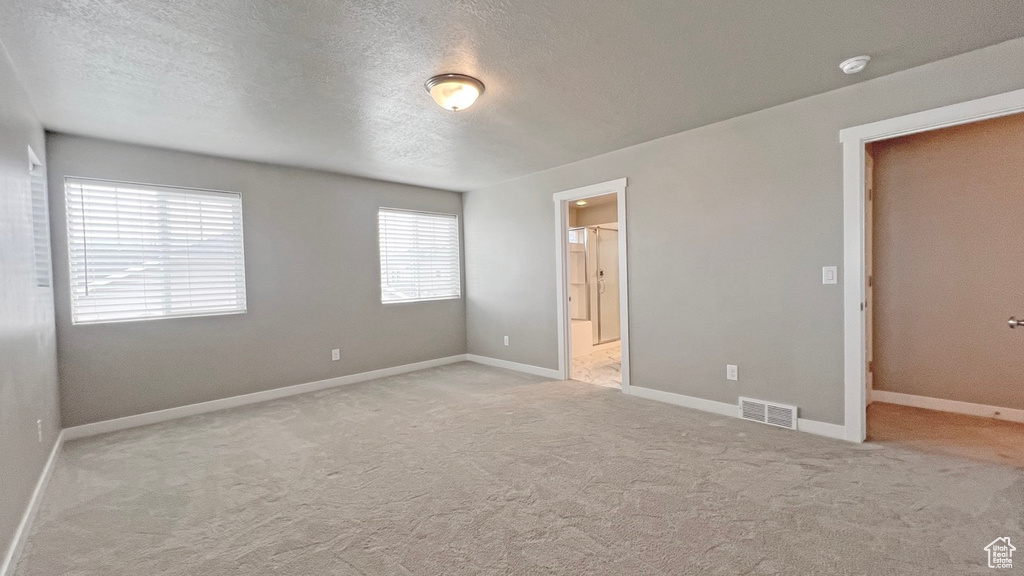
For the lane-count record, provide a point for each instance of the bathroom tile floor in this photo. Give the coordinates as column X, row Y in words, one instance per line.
column 603, row 367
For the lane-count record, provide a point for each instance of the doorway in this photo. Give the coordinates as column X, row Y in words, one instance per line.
column 886, row 350
column 593, row 295
column 591, row 279
column 943, row 253
column 855, row 273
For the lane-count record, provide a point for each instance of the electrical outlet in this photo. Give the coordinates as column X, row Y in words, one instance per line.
column 335, row 355
column 39, row 429
column 732, row 372
column 506, row 340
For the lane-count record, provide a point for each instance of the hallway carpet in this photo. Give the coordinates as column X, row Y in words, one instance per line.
column 466, row 469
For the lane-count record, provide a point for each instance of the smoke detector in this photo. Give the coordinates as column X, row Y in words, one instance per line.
column 855, row 64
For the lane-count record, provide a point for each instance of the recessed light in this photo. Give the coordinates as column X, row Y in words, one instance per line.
column 581, row 203
column 855, row 64
column 454, row 91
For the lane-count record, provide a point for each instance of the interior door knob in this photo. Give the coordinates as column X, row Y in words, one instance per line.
column 1013, row 322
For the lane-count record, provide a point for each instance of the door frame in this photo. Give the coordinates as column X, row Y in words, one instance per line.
column 561, row 200
column 855, row 394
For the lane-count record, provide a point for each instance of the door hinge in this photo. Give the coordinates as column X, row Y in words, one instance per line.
column 871, row 281
column 861, row 306
column 871, row 366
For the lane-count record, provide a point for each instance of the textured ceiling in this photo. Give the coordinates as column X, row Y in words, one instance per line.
column 338, row 84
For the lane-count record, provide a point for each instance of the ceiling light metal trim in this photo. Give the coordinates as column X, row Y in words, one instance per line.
column 456, row 79
column 855, row 64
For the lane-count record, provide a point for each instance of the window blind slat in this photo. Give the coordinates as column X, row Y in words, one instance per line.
column 419, row 256
column 40, row 227
column 140, row 251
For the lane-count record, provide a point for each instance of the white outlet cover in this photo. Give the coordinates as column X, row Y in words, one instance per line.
column 336, row 354
column 732, row 372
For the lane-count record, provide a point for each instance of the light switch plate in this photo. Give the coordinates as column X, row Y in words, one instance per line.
column 830, row 275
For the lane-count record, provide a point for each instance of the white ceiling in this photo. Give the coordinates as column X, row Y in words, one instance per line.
column 338, row 84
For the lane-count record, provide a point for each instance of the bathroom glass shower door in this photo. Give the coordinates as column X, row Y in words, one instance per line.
column 607, row 277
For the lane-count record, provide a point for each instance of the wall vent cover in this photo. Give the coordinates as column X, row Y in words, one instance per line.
column 768, row 413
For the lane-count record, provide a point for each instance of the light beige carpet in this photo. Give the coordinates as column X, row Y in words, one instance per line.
column 466, row 469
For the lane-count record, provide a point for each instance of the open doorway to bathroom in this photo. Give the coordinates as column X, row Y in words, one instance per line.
column 593, row 295
column 592, row 292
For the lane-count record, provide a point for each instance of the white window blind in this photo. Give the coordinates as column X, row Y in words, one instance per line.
column 139, row 252
column 40, row 226
column 419, row 256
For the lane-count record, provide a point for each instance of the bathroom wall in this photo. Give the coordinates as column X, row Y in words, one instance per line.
column 599, row 210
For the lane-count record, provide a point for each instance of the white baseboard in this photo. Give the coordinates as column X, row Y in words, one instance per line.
column 10, row 560
column 836, row 431
column 527, row 368
column 701, row 404
column 1011, row 414
column 732, row 410
column 233, row 402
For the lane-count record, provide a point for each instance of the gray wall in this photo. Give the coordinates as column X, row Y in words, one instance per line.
column 729, row 226
column 312, row 277
column 28, row 360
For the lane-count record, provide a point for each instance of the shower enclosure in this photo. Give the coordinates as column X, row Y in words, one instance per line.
column 594, row 280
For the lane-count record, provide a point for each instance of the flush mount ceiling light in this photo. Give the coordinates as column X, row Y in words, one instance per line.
column 581, row 203
column 855, row 64
column 454, row 91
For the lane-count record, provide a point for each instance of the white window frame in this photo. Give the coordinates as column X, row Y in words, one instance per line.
column 381, row 256
column 183, row 313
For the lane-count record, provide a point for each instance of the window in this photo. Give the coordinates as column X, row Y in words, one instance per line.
column 419, row 256
column 40, row 220
column 140, row 252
